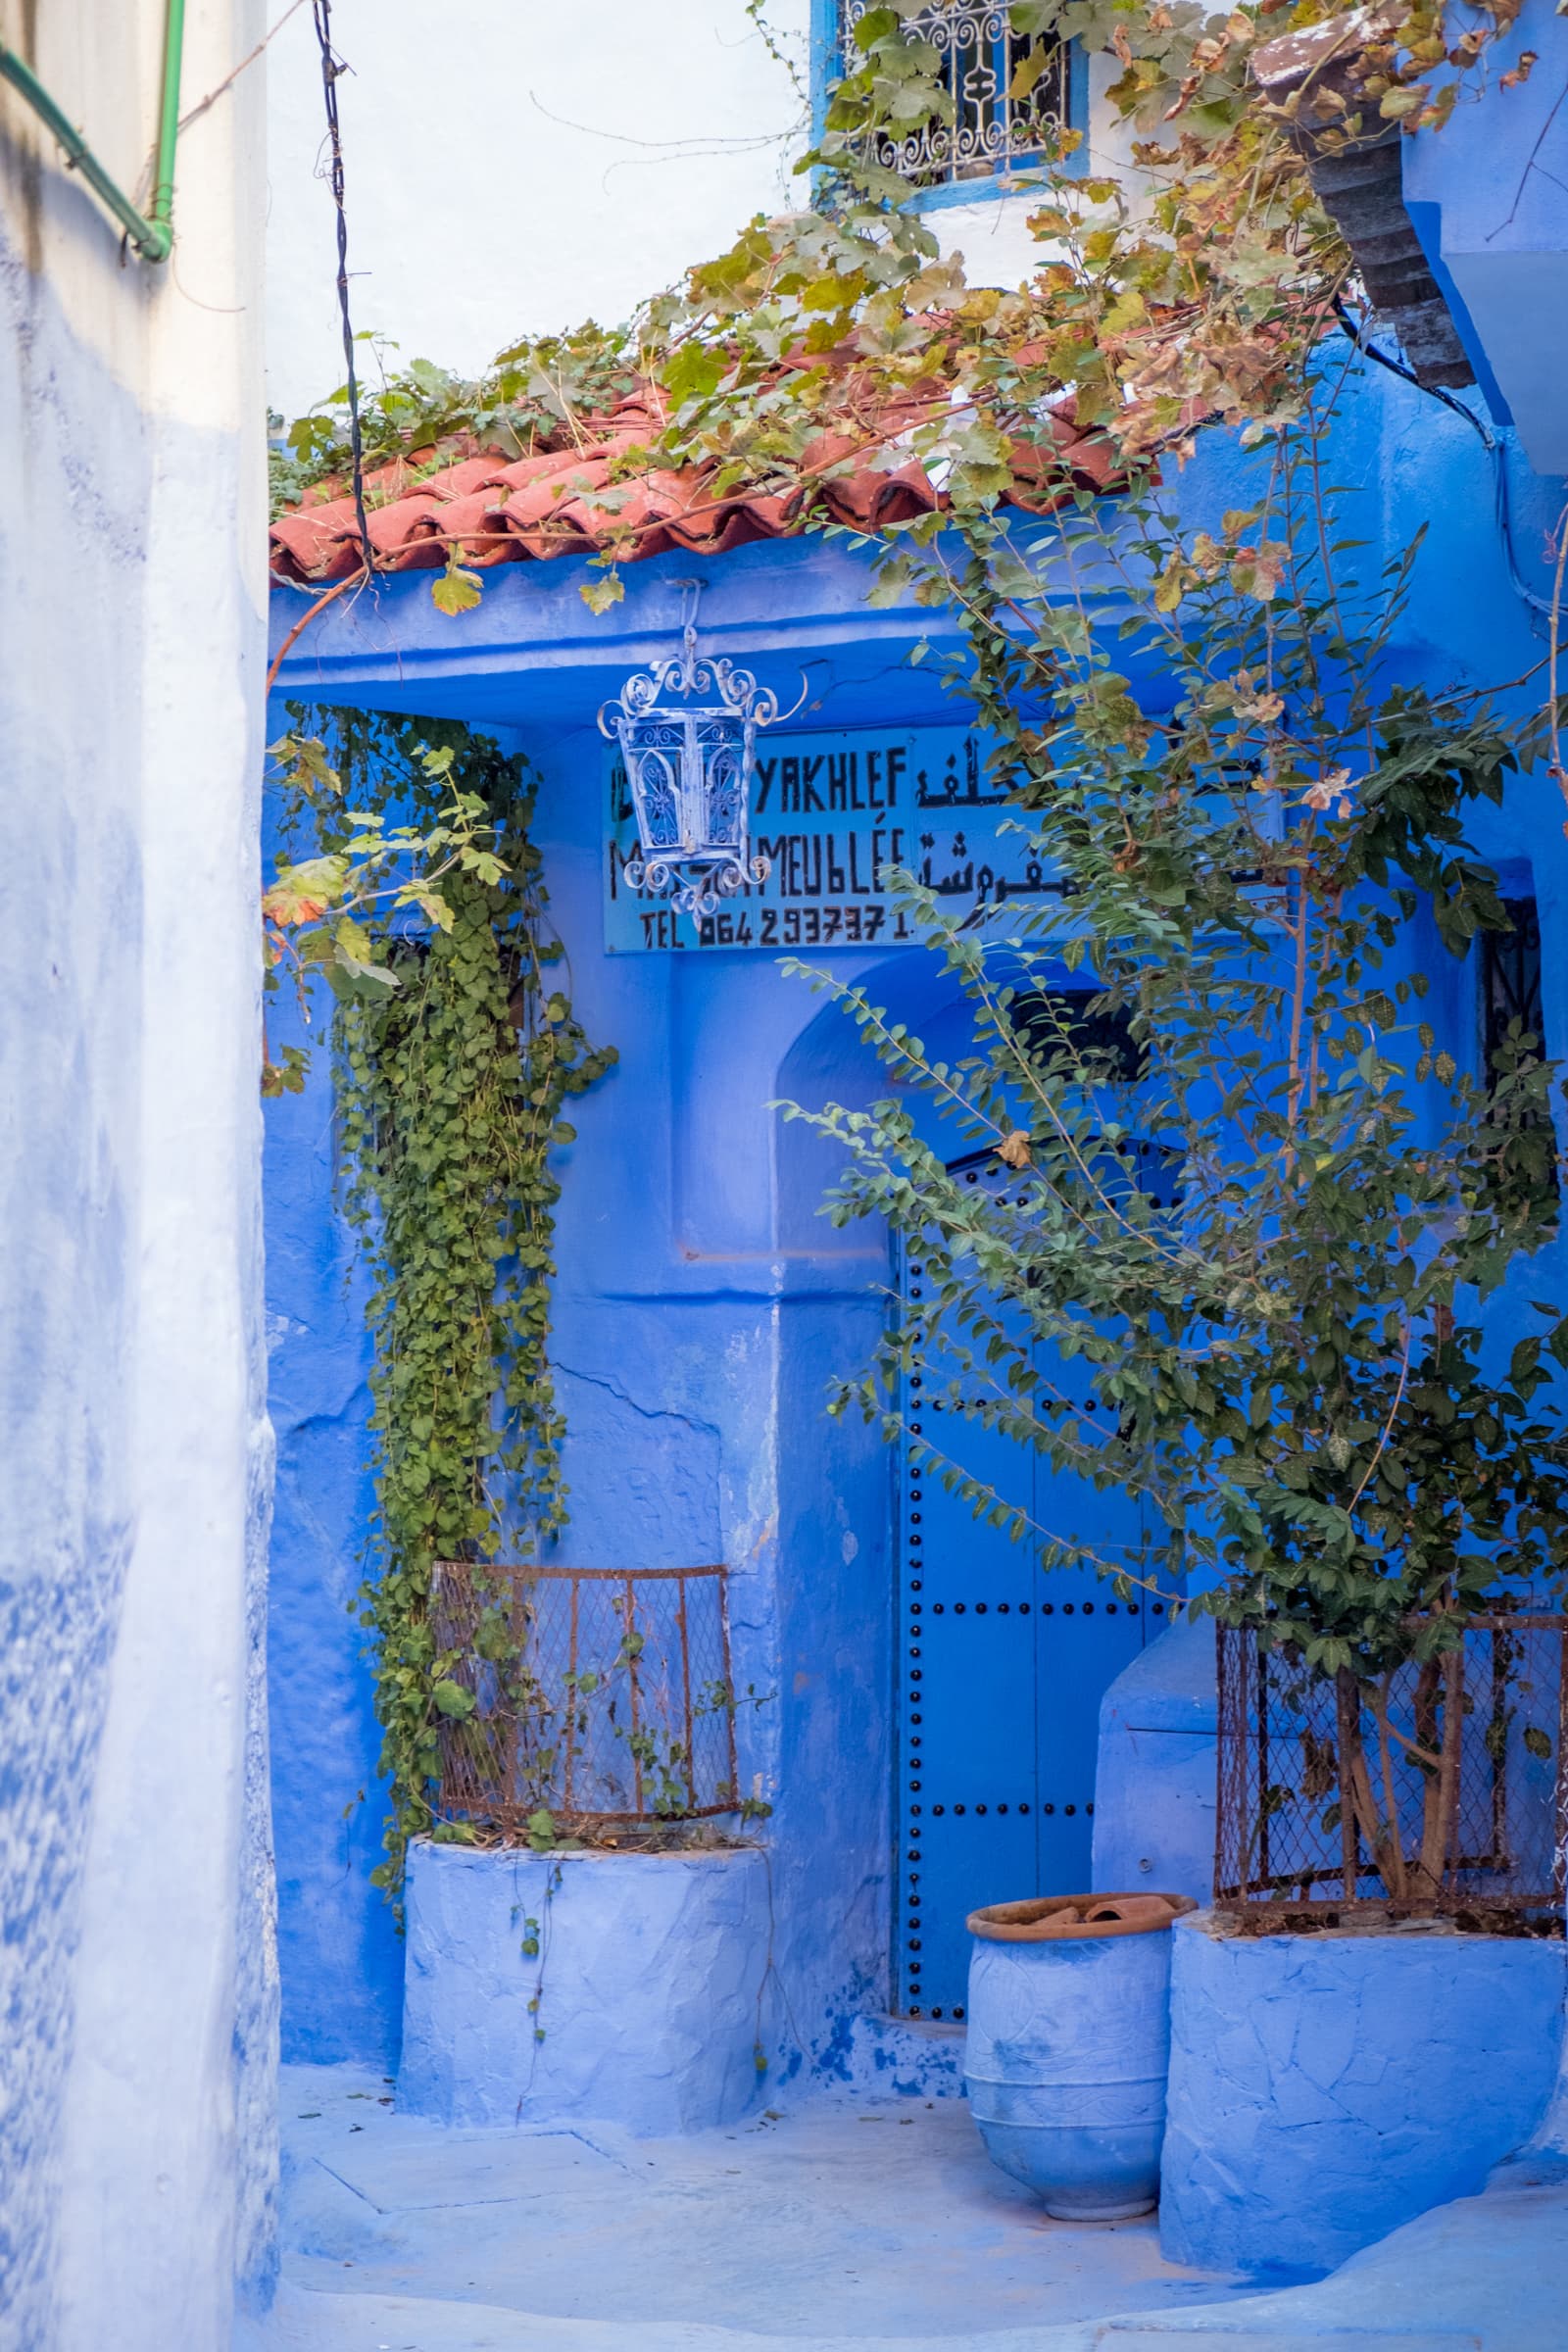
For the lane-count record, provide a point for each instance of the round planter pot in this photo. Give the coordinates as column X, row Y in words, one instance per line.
column 645, row 1969
column 1327, row 2088
column 1068, row 2037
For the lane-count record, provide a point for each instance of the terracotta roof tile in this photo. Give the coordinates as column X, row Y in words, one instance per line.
column 482, row 511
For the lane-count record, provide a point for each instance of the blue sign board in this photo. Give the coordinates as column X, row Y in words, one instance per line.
column 831, row 813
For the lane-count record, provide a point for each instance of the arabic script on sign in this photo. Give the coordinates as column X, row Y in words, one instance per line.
column 831, row 813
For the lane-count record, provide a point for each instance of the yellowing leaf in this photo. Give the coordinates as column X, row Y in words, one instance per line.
column 456, row 591
column 833, row 293
column 1027, row 72
column 1173, row 585
column 302, row 893
column 433, row 905
column 1014, row 1149
column 599, row 595
column 1258, row 570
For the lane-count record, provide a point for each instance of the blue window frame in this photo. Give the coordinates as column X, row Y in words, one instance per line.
column 992, row 140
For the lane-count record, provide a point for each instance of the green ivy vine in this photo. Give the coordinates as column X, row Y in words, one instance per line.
column 456, row 1049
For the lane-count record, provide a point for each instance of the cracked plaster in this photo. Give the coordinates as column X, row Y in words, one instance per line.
column 1325, row 2090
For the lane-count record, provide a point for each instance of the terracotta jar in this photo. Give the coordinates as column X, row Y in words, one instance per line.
column 1069, row 2045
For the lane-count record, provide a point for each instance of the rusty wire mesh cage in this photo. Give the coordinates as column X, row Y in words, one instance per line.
column 599, row 1695
column 1441, row 1788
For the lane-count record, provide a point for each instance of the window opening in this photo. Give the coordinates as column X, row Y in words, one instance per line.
column 1510, row 990
column 1040, row 1015
column 1008, row 90
column 1510, row 979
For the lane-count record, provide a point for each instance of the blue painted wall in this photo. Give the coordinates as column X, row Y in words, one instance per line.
column 702, row 1304
column 1485, row 195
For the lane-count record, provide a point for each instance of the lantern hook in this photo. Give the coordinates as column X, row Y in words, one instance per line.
column 691, row 594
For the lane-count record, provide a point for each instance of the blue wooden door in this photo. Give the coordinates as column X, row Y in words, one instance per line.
column 1002, row 1667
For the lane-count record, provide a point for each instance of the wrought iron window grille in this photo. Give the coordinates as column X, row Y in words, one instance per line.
column 1003, row 112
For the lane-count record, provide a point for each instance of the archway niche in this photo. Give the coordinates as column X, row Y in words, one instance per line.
column 841, row 1848
column 833, row 1859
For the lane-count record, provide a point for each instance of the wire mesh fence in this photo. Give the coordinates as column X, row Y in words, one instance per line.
column 1440, row 1787
column 598, row 1695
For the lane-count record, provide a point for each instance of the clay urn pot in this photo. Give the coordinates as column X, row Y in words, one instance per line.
column 1068, row 2044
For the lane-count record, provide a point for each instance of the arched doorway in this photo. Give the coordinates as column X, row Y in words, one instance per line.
column 992, row 1671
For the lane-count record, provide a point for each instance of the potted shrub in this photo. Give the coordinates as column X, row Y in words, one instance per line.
column 588, row 1934
column 1275, row 1209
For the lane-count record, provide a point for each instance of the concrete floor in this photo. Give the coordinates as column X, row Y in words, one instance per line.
column 848, row 2220
column 825, row 2226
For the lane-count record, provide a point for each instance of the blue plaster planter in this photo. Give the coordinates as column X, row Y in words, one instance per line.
column 1065, row 2064
column 1327, row 2088
column 647, row 1976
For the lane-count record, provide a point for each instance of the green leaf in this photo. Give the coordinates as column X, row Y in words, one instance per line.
column 375, row 978
column 693, row 373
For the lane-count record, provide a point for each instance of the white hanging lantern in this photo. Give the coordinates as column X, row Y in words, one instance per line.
column 689, row 764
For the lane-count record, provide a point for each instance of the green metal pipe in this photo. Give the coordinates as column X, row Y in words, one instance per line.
column 162, row 207
column 152, row 235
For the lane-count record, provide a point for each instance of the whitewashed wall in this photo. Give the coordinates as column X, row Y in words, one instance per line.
column 513, row 167
column 135, row 1974
column 994, row 236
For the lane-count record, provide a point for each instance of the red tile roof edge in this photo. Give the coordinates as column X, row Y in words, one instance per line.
column 480, row 511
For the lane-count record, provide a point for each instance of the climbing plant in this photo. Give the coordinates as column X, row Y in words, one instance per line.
column 535, row 392
column 332, row 912
column 1256, row 1215
column 456, row 1049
